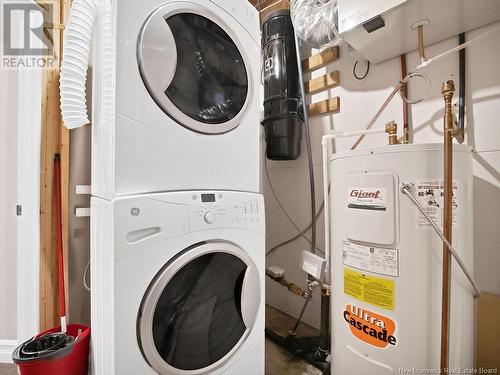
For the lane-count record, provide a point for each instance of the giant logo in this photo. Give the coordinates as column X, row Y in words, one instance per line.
column 358, row 193
column 372, row 328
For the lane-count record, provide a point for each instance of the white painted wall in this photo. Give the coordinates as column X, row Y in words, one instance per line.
column 359, row 102
column 8, row 192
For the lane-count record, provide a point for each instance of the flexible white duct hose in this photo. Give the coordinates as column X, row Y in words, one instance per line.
column 76, row 51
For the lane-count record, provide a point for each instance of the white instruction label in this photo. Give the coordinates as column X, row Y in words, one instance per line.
column 367, row 198
column 371, row 259
column 430, row 194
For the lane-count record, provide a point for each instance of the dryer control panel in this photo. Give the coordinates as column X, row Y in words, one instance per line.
column 224, row 209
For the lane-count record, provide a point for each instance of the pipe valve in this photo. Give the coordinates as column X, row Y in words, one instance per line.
column 391, row 128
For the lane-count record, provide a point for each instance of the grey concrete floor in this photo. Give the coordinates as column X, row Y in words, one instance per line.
column 278, row 360
column 6, row 369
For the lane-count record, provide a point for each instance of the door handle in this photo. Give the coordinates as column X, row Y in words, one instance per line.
column 250, row 296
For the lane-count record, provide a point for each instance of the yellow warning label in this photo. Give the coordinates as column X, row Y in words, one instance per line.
column 374, row 290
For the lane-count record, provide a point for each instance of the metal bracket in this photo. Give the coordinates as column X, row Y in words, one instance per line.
column 82, row 211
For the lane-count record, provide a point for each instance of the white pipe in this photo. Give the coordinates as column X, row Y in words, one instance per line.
column 76, row 51
column 324, row 145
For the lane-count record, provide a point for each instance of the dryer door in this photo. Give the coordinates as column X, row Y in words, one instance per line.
column 194, row 66
column 199, row 309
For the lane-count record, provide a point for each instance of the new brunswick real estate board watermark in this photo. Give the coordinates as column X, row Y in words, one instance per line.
column 459, row 370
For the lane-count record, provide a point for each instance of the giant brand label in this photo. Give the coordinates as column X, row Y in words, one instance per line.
column 367, row 198
column 374, row 329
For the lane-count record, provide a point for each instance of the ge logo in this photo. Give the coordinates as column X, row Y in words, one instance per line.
column 135, row 211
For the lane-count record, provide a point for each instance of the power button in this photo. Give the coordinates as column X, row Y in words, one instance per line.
column 209, row 217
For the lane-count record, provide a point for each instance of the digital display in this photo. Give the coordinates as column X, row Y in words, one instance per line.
column 205, row 198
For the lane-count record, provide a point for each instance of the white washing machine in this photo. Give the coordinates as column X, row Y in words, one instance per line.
column 178, row 284
column 182, row 112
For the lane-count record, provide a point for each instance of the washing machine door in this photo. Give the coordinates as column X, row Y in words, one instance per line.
column 199, row 309
column 195, row 67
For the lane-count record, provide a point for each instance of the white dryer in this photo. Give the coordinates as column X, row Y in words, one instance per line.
column 182, row 112
column 178, row 284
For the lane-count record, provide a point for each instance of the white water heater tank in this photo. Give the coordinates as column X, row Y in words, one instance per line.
column 386, row 261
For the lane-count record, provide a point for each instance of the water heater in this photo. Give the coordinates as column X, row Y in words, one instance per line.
column 386, row 261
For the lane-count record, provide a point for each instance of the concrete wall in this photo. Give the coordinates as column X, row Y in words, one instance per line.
column 359, row 102
column 8, row 193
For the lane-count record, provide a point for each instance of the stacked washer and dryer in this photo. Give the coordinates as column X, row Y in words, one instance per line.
column 178, row 242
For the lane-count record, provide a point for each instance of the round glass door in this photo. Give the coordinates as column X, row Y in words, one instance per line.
column 194, row 69
column 199, row 308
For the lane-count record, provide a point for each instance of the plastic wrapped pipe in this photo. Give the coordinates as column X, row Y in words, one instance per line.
column 315, row 21
column 76, row 46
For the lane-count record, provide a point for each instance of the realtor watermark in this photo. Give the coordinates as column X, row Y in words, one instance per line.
column 27, row 35
column 459, row 370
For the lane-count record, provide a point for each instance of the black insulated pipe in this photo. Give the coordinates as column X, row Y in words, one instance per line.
column 461, row 88
column 324, row 330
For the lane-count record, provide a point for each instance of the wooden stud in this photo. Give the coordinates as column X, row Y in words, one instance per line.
column 65, row 6
column 324, row 82
column 267, row 6
column 320, row 59
column 54, row 139
column 326, row 106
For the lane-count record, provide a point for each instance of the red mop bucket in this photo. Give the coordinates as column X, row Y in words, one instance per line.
column 62, row 350
column 72, row 359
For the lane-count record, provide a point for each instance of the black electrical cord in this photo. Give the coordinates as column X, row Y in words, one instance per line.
column 359, row 78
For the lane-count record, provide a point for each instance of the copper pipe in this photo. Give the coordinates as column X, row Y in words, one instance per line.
column 293, row 288
column 404, row 89
column 421, row 49
column 447, row 90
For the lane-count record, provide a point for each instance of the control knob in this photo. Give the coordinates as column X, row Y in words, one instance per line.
column 209, row 217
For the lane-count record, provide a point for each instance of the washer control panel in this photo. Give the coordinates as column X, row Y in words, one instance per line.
column 221, row 209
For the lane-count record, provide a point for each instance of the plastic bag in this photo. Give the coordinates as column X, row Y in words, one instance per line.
column 315, row 21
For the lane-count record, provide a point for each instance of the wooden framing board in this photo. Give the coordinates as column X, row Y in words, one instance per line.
column 267, row 6
column 324, row 82
column 54, row 139
column 320, row 59
column 331, row 105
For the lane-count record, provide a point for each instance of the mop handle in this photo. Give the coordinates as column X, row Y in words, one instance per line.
column 60, row 258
